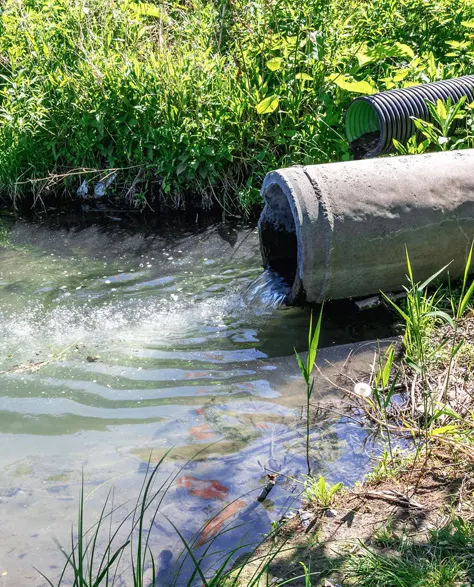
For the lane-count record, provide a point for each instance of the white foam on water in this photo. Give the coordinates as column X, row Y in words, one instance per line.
column 41, row 326
column 268, row 290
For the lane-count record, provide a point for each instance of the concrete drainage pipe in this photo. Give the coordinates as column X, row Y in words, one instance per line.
column 340, row 230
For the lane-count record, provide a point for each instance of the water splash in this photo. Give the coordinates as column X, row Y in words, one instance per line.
column 269, row 290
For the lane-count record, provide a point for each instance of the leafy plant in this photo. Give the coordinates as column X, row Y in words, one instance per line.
column 194, row 102
column 420, row 313
column 320, row 492
column 445, row 132
column 112, row 550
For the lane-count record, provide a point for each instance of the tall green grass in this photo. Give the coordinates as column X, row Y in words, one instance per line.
column 118, row 547
column 306, row 370
column 193, row 101
column 444, row 559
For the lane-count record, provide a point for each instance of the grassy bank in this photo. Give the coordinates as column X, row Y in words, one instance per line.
column 193, row 102
column 411, row 522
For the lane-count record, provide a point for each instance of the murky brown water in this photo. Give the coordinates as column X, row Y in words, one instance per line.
column 115, row 344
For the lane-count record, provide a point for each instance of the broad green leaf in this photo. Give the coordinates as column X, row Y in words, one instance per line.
column 382, row 51
column 401, row 74
column 345, row 82
column 268, row 105
column 432, row 69
column 389, row 84
column 302, row 367
column 400, row 147
column 304, row 76
column 365, row 59
column 390, row 354
column 468, row 23
column 313, row 343
column 458, row 44
column 181, row 167
column 404, row 50
column 275, row 64
column 441, row 109
column 146, row 9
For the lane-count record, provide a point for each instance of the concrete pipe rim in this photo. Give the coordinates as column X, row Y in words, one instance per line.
column 280, row 233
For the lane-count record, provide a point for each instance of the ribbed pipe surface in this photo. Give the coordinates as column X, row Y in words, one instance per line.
column 388, row 114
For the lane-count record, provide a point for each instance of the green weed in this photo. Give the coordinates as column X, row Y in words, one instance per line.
column 451, row 128
column 193, row 102
column 306, row 370
column 444, row 560
column 112, row 550
column 390, row 466
column 319, row 492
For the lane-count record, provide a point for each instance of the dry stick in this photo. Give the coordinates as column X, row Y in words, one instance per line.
column 348, row 358
column 393, row 496
column 57, row 177
column 413, row 387
column 372, row 369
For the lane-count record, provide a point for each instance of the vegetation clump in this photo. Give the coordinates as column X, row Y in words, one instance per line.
column 193, row 102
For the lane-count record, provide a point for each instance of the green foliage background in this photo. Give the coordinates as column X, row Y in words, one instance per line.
column 195, row 100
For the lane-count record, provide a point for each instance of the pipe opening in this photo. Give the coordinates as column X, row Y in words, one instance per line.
column 278, row 240
column 363, row 129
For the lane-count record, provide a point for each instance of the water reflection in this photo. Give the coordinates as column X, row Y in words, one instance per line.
column 115, row 346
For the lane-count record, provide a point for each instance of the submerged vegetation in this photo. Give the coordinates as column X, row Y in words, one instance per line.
column 193, row 102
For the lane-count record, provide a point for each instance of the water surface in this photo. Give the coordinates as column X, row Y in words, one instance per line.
column 116, row 344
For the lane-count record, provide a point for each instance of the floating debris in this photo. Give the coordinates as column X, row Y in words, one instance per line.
column 268, row 487
column 82, row 190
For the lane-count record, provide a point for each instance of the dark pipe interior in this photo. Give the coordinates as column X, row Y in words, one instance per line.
column 366, row 143
column 278, row 241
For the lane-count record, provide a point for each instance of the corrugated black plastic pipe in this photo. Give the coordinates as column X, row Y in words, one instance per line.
column 372, row 122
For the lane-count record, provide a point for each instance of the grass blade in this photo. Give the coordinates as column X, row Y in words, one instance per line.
column 432, row 277
column 190, row 552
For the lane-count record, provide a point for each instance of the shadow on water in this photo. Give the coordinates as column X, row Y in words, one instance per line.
column 115, row 344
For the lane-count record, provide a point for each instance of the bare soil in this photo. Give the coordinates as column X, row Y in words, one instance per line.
column 408, row 505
